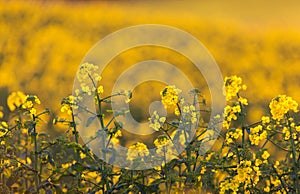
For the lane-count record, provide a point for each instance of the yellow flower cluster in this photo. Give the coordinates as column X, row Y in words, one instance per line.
column 69, row 103
column 20, row 100
column 87, row 71
column 280, row 105
column 164, row 148
column 265, row 155
column 162, row 140
column 87, row 74
column 3, row 128
column 229, row 185
column 114, row 135
column 29, row 103
column 155, row 122
column 170, row 98
column 243, row 172
column 232, row 85
column 189, row 114
column 257, row 134
column 90, row 176
column 230, row 113
column 137, row 150
column 233, row 135
column 15, row 100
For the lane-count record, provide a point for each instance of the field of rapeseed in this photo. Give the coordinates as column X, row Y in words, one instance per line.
column 41, row 151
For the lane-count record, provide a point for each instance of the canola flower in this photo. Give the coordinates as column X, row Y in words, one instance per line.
column 229, row 185
column 15, row 100
column 230, row 114
column 29, row 103
column 88, row 71
column 156, row 122
column 3, row 128
column 87, row 75
column 68, row 104
column 127, row 94
column 137, row 150
column 281, row 105
column 161, row 140
column 232, row 86
column 115, row 133
column 233, row 135
column 257, row 134
column 179, row 137
column 189, row 114
column 20, row 100
column 170, row 98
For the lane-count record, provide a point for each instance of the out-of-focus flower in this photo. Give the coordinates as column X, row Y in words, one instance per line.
column 15, row 100
column 1, row 112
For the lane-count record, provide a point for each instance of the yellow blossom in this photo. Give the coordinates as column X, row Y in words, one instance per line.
column 265, row 155
column 100, row 90
column 82, row 155
column 87, row 71
column 265, row 119
column 15, row 99
column 280, row 105
column 137, row 150
column 232, row 85
column 66, row 165
column 169, row 96
column 155, row 122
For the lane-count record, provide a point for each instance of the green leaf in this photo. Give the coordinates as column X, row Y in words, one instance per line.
column 90, row 120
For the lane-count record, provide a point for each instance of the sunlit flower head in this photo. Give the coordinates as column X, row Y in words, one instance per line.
column 88, row 71
column 169, row 96
column 232, row 85
column 280, row 105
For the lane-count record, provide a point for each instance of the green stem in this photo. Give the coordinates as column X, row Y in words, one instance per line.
column 242, row 122
column 295, row 167
column 75, row 132
column 36, row 174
